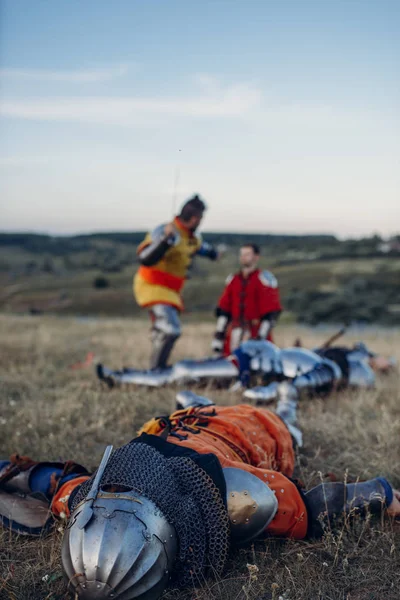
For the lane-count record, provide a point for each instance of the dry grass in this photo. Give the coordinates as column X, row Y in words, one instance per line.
column 50, row 412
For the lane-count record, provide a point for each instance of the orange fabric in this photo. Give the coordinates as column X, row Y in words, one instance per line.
column 163, row 282
column 59, row 506
column 252, row 439
column 153, row 276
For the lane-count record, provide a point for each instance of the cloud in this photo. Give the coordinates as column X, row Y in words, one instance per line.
column 95, row 75
column 229, row 101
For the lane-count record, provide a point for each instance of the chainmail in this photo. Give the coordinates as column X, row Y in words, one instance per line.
column 188, row 498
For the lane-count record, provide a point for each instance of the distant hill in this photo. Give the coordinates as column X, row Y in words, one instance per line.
column 60, row 244
column 321, row 278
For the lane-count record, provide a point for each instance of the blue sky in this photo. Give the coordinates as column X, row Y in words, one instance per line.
column 284, row 115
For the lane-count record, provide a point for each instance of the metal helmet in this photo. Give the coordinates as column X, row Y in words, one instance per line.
column 125, row 551
column 298, row 361
column 360, row 374
column 118, row 545
column 359, row 352
column 264, row 357
column 251, row 504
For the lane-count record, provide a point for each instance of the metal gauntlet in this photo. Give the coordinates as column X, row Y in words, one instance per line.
column 217, row 344
column 268, row 322
column 328, row 501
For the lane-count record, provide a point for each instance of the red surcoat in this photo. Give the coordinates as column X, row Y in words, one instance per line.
column 247, row 300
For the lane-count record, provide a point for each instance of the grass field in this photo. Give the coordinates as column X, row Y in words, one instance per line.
column 50, row 411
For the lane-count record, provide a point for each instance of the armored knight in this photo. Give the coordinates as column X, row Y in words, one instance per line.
column 260, row 367
column 249, row 306
column 165, row 508
column 165, row 257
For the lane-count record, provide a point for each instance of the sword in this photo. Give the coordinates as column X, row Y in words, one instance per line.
column 175, row 190
column 87, row 512
column 334, row 337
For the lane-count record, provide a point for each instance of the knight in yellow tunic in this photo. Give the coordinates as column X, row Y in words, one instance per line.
column 165, row 256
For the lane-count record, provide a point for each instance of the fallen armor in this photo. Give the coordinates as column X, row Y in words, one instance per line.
column 259, row 368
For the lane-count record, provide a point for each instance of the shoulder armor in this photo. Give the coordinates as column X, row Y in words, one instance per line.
column 298, row 361
column 158, row 233
column 251, row 504
column 268, row 279
column 229, row 278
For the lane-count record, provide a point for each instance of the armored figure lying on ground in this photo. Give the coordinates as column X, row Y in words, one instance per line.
column 260, row 366
column 165, row 508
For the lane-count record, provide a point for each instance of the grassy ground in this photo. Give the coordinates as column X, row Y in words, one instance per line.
column 52, row 412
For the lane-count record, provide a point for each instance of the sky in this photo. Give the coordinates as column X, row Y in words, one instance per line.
column 283, row 115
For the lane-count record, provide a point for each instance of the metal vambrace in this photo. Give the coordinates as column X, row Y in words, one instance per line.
column 268, row 322
column 332, row 500
column 217, row 344
column 151, row 254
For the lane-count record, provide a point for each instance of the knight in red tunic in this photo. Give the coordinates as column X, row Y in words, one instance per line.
column 249, row 305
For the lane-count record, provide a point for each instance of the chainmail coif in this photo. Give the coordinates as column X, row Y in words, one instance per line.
column 188, row 498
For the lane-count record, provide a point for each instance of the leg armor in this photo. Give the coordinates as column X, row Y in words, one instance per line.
column 320, row 379
column 27, row 489
column 216, row 370
column 286, row 397
column 188, row 399
column 219, row 371
column 166, row 330
column 331, row 500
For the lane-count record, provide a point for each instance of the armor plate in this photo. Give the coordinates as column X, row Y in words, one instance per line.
column 361, row 375
column 359, row 353
column 186, row 399
column 265, row 356
column 251, row 504
column 218, row 369
column 125, row 551
column 154, row 378
column 158, row 234
column 267, row 278
column 298, row 361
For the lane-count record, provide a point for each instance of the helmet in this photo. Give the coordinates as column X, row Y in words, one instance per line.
column 118, row 544
column 129, row 520
column 359, row 352
column 125, row 550
column 361, row 375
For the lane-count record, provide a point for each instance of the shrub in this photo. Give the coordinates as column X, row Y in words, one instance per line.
column 101, row 282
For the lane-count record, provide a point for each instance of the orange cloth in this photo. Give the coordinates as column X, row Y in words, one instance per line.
column 252, row 439
column 162, row 283
column 59, row 505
